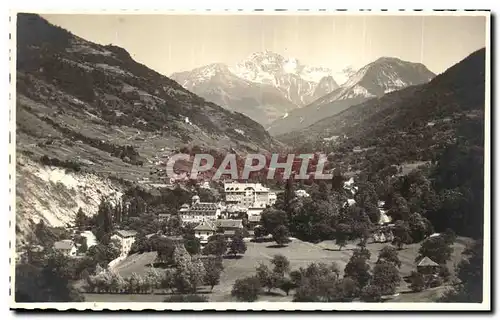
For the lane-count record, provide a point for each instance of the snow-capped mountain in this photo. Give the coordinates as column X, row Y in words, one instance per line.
column 296, row 81
column 373, row 80
column 264, row 87
column 216, row 83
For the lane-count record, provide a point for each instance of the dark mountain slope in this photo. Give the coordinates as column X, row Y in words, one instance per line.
column 94, row 84
column 414, row 120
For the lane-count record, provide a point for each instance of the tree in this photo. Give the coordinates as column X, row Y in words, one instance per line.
column 48, row 281
column 216, row 245
column 449, row 236
column 237, row 245
column 104, row 219
column 81, row 220
column 259, row 232
column 436, row 249
column 341, row 235
column 164, row 247
column 192, row 244
column 386, row 277
column 419, row 227
column 189, row 273
column 362, row 253
column 401, row 234
column 417, row 282
column 349, row 288
column 389, row 254
column 83, row 247
column 358, row 269
column 286, row 284
column 371, row 293
column 272, row 218
column 174, row 225
column 337, row 181
column 399, row 209
column 280, row 235
column 168, row 280
column 470, row 275
column 212, row 273
column 267, row 278
column 281, row 264
column 318, row 288
column 246, row 289
column 288, row 196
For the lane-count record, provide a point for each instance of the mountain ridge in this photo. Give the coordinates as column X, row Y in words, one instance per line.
column 265, row 86
column 377, row 78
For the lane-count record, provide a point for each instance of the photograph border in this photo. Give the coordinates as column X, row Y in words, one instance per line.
column 258, row 306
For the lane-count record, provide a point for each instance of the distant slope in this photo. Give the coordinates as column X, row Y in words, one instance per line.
column 412, row 122
column 374, row 80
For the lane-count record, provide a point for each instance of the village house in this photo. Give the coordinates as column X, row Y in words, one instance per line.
column 229, row 226
column 200, row 211
column 66, row 247
column 204, row 230
column 126, row 238
column 428, row 267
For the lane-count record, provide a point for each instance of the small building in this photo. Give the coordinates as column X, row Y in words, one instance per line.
column 253, row 220
column 66, row 247
column 204, row 230
column 229, row 224
column 383, row 235
column 164, row 216
column 428, row 267
column 126, row 238
column 200, row 211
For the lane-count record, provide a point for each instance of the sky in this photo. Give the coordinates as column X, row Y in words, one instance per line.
column 173, row 43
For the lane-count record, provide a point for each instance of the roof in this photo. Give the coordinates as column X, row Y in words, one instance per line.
column 126, row 233
column 427, row 262
column 229, row 223
column 205, row 226
column 164, row 214
column 64, row 245
column 204, row 206
column 235, row 186
column 229, row 232
column 254, row 211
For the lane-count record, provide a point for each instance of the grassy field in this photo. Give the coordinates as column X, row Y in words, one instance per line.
column 299, row 253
